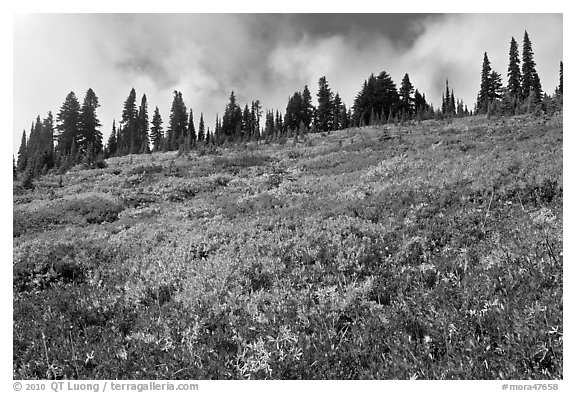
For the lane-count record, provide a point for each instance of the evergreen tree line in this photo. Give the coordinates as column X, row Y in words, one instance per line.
column 452, row 107
column 77, row 136
column 79, row 139
column 523, row 91
column 379, row 101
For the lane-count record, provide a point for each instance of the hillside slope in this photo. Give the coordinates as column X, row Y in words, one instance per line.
column 430, row 251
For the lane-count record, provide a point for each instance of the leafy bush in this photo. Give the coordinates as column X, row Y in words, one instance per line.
column 234, row 164
column 86, row 209
column 145, row 169
column 436, row 254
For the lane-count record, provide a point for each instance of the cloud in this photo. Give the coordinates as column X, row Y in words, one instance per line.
column 259, row 56
column 452, row 46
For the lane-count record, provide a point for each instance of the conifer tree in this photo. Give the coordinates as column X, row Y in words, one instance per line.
column 68, row 124
column 143, row 144
column 48, row 133
column 89, row 133
column 337, row 118
column 246, row 123
column 42, row 154
column 112, row 145
column 269, row 123
column 514, row 86
column 495, row 88
column 295, row 112
column 344, row 118
column 561, row 83
column 191, row 129
column 217, row 136
column 22, row 154
column 420, row 102
column 452, row 106
column 307, row 108
column 201, row 131
column 530, row 79
column 34, row 142
column 484, row 94
column 447, row 98
column 256, row 114
column 536, row 88
column 459, row 108
column 178, row 123
column 232, row 118
column 129, row 125
column 406, row 104
column 156, row 133
column 324, row 113
column 279, row 125
column 378, row 94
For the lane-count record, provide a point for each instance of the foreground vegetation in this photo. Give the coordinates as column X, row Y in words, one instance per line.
column 429, row 251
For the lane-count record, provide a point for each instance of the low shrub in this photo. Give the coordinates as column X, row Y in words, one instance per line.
column 40, row 264
column 145, row 169
column 234, row 164
column 82, row 210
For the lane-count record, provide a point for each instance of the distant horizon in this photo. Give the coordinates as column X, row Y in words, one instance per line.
column 262, row 56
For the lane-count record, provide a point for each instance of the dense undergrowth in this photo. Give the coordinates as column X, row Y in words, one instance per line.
column 429, row 251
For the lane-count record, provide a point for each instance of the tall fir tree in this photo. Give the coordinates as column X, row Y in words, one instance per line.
column 294, row 111
column 279, row 125
column 178, row 123
column 379, row 96
column 232, row 118
column 156, row 133
column 90, row 137
column 68, row 120
column 191, row 130
column 45, row 157
column 143, row 145
column 201, row 128
column 452, row 106
column 129, row 125
column 536, row 88
column 561, row 82
column 530, row 79
column 216, row 133
column 269, row 124
column 495, row 87
column 324, row 113
column 48, row 133
column 514, row 86
column 307, row 107
column 484, row 95
column 420, row 103
column 34, row 141
column 256, row 114
column 22, row 153
column 405, row 92
column 337, row 116
column 112, row 145
column 246, row 123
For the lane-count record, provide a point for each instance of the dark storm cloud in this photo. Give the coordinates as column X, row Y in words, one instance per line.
column 235, row 47
column 261, row 56
column 143, row 64
column 400, row 29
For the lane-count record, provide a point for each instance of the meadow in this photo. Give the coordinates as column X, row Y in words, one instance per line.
column 429, row 250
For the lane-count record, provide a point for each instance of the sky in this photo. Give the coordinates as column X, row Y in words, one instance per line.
column 258, row 56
